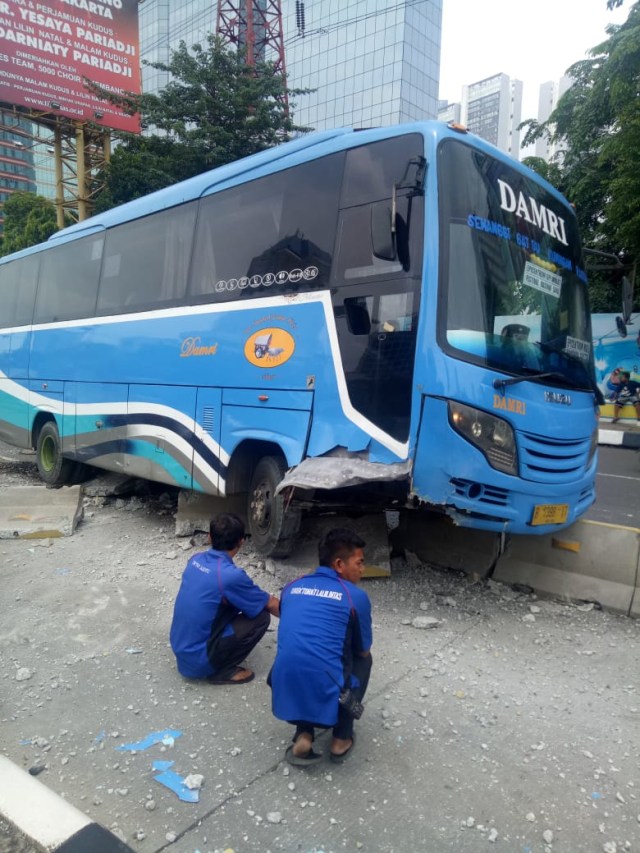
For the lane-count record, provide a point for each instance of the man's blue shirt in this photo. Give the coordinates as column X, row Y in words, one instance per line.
column 324, row 622
column 212, row 593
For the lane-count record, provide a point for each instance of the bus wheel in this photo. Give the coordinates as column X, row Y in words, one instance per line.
column 273, row 530
column 53, row 468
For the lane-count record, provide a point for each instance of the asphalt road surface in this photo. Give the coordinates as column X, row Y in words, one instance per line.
column 618, row 487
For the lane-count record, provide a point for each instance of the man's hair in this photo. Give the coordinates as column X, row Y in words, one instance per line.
column 338, row 544
column 226, row 531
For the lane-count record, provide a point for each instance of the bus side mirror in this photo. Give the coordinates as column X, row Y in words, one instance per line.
column 627, row 299
column 622, row 327
column 382, row 236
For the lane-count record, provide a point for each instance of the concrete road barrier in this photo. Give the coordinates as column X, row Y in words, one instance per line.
column 589, row 561
column 50, row 822
column 436, row 540
column 35, row 512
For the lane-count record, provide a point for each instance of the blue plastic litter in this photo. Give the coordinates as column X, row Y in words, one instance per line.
column 166, row 736
column 171, row 780
column 162, row 765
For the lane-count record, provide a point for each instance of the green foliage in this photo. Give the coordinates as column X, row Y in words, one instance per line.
column 214, row 110
column 550, row 171
column 597, row 121
column 28, row 219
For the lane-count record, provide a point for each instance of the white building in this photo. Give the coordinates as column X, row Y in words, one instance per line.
column 449, row 112
column 550, row 94
column 492, row 108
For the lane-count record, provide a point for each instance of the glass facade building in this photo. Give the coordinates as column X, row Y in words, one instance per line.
column 368, row 62
column 26, row 163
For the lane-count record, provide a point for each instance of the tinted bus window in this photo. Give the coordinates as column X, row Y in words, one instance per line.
column 68, row 281
column 18, row 291
column 511, row 265
column 372, row 170
column 146, row 262
column 272, row 235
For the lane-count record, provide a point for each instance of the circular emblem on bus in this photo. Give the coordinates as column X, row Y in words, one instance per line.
column 268, row 279
column 243, row 282
column 310, row 273
column 269, row 347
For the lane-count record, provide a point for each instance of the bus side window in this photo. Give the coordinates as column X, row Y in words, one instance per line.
column 358, row 319
column 146, row 262
column 68, row 280
column 18, row 281
column 270, row 235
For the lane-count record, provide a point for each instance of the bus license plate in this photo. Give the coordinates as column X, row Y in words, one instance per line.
column 550, row 514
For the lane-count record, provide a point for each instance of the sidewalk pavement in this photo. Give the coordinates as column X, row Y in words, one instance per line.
column 625, row 433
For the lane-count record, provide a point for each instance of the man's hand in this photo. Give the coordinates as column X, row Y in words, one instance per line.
column 273, row 606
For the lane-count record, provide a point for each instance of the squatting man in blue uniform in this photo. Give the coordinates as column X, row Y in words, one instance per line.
column 220, row 614
column 324, row 642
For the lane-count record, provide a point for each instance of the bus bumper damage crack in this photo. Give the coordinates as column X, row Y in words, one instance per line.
column 335, row 472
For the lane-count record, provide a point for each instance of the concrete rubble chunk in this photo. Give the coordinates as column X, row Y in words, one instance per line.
column 35, row 512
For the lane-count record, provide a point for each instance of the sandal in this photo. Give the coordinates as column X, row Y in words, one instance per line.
column 340, row 757
column 249, row 676
column 309, row 758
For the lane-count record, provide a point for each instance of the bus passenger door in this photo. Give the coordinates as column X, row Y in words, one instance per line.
column 377, row 329
column 95, row 423
column 159, row 435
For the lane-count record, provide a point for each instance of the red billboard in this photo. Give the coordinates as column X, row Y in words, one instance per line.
column 47, row 48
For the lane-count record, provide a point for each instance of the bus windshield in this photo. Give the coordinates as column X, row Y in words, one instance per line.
column 513, row 282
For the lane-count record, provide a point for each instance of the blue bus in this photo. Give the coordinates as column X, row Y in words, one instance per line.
column 395, row 317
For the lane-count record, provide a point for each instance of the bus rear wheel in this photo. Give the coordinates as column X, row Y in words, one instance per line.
column 273, row 526
column 53, row 468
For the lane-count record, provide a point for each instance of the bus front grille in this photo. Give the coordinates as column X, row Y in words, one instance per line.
column 552, row 460
column 480, row 492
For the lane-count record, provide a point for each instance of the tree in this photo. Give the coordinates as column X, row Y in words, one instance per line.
column 145, row 164
column 550, row 171
column 28, row 219
column 598, row 123
column 214, row 110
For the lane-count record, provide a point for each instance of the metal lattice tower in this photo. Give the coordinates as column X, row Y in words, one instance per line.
column 256, row 27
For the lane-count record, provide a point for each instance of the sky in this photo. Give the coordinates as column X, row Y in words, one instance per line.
column 529, row 40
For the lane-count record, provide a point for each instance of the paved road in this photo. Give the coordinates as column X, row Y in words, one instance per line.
column 618, row 487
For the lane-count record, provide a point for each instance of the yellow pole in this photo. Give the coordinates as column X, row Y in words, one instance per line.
column 57, row 144
column 81, row 173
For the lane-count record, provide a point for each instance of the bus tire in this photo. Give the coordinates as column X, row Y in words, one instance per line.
column 53, row 468
column 273, row 528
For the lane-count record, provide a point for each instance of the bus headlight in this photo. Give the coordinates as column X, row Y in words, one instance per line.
column 491, row 435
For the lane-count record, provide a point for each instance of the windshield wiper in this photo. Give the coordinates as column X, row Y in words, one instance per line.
column 513, row 380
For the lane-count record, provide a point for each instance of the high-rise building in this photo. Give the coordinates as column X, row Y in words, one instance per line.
column 492, row 109
column 26, row 163
column 369, row 62
column 550, row 94
column 449, row 112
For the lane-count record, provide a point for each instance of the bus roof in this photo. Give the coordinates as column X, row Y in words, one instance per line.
column 263, row 163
